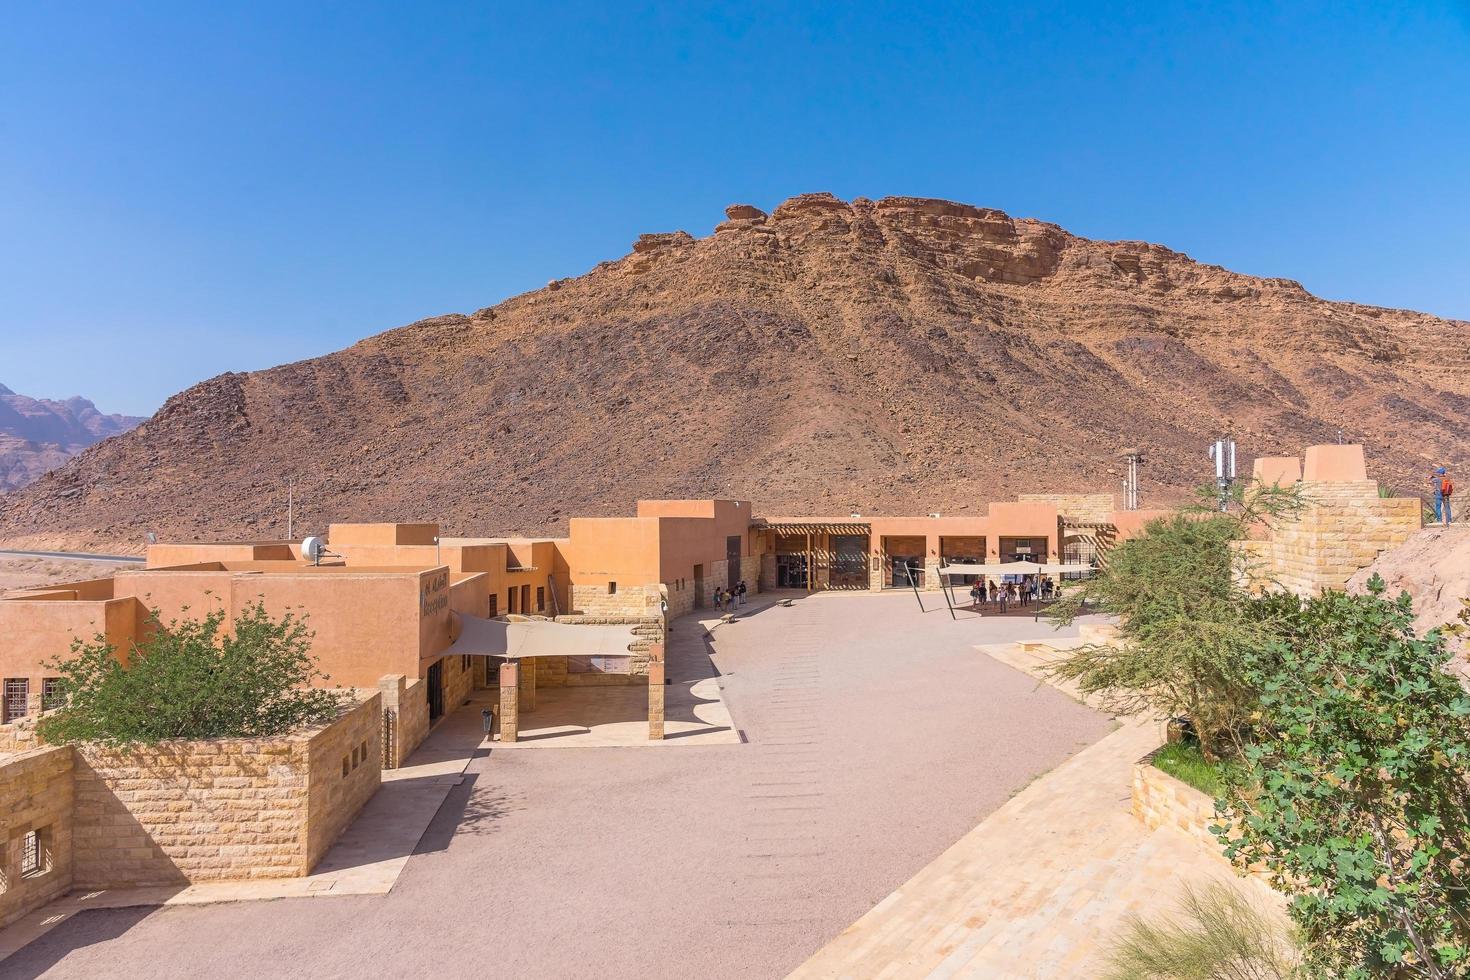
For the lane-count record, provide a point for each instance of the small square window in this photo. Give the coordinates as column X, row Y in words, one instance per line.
column 33, row 856
column 51, row 698
column 612, row 588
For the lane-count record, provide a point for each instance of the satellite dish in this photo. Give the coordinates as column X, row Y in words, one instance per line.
column 313, row 548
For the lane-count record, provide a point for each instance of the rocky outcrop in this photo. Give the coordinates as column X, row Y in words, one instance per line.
column 903, row 355
column 39, row 434
column 1433, row 566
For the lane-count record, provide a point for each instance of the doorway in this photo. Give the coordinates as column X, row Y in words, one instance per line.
column 732, row 562
column 435, row 681
column 791, row 571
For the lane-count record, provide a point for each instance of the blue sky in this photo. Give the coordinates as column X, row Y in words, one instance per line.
column 187, row 188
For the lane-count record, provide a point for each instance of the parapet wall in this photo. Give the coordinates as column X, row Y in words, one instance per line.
column 185, row 811
column 36, row 796
column 1344, row 527
column 1081, row 508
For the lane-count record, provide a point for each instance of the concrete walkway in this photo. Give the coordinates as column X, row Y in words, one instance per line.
column 1042, row 886
column 875, row 738
column 366, row 860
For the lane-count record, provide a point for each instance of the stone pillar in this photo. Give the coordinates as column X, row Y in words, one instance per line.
column 392, row 687
column 528, row 684
column 931, row 563
column 510, row 709
column 656, row 693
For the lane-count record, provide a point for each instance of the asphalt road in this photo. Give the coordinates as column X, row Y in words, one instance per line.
column 70, row 555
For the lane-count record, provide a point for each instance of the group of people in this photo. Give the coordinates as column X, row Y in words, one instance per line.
column 1006, row 594
column 730, row 598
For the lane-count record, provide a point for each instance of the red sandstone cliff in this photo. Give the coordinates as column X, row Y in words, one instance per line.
column 894, row 356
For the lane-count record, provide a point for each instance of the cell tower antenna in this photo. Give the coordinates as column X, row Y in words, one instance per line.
column 1222, row 452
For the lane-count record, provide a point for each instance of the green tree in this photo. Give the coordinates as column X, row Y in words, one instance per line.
column 1354, row 796
column 1186, row 618
column 192, row 679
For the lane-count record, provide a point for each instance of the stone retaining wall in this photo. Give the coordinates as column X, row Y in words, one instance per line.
column 36, row 796
column 1160, row 800
column 185, row 811
column 1343, row 527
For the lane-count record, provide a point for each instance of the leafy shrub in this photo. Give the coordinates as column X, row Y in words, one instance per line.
column 1186, row 624
column 190, row 680
column 1354, row 797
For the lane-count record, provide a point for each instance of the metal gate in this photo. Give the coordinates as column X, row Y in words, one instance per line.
column 435, row 681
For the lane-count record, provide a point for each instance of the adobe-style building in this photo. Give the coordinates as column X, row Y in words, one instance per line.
column 402, row 608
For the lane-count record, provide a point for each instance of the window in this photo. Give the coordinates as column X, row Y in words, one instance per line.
column 511, row 604
column 364, row 750
column 51, row 693
column 33, row 856
column 17, row 693
column 612, row 588
column 494, row 606
column 540, row 598
column 525, row 598
column 346, row 765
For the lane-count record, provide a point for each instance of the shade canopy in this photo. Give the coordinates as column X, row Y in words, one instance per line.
column 538, row 638
column 1018, row 568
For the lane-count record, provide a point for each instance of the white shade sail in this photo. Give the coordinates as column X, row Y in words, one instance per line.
column 1018, row 568
column 538, row 638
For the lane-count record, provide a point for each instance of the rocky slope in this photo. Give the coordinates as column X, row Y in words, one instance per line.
column 39, row 434
column 892, row 356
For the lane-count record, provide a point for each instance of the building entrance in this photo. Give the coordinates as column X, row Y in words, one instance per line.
column 791, row 571
column 849, row 561
column 906, row 565
column 435, row 682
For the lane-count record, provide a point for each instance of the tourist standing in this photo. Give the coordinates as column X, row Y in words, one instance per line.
column 740, row 591
column 719, row 597
column 1444, row 488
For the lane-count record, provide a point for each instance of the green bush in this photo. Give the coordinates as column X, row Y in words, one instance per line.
column 1354, row 796
column 190, row 680
column 1185, row 623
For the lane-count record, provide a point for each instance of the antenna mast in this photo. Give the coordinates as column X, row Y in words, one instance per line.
column 1223, row 454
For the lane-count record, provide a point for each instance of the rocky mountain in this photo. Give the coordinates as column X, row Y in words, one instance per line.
column 894, row 356
column 39, row 434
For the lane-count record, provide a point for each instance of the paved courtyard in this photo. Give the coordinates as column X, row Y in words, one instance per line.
column 876, row 737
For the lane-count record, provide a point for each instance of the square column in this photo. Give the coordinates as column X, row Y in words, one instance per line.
column 528, row 684
column 656, row 693
column 510, row 708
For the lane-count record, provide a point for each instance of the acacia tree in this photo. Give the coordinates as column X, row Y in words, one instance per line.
column 1354, row 795
column 192, row 679
column 1186, row 619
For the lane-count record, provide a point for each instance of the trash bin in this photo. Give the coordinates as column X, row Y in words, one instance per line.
column 487, row 719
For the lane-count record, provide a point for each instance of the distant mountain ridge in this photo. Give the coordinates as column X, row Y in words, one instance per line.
column 39, row 434
column 898, row 356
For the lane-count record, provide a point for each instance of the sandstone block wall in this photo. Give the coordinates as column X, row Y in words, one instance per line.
column 184, row 811
column 750, row 572
column 36, row 794
column 1343, row 528
column 405, row 717
column 1160, row 800
column 333, row 800
column 1082, row 508
column 630, row 601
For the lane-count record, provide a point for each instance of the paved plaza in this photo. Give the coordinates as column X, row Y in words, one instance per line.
column 875, row 737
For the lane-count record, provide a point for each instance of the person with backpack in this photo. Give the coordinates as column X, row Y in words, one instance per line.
column 1444, row 488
